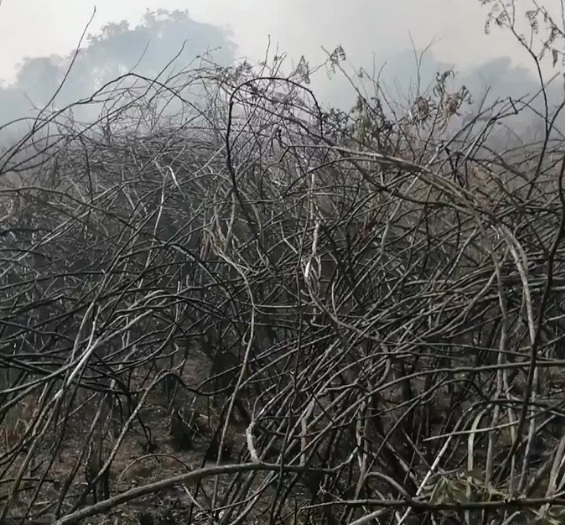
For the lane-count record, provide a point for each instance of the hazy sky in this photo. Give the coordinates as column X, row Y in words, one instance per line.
column 363, row 27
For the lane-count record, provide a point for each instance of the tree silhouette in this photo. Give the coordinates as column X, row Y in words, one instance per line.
column 145, row 48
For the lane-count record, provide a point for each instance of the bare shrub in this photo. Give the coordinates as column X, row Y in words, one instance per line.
column 360, row 312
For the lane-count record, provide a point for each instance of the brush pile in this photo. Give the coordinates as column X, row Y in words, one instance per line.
column 375, row 296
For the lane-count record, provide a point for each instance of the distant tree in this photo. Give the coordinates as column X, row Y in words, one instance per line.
column 150, row 45
column 119, row 48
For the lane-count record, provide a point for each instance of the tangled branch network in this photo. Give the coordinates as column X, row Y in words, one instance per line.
column 259, row 311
